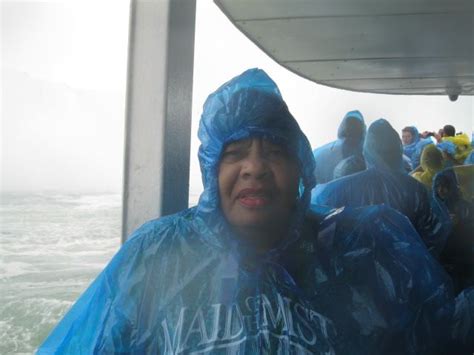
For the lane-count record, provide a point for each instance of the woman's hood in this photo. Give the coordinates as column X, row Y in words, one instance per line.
column 409, row 149
column 414, row 133
column 249, row 105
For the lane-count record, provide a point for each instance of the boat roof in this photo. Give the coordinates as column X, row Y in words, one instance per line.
column 410, row 47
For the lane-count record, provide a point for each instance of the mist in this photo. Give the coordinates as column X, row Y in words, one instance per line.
column 63, row 93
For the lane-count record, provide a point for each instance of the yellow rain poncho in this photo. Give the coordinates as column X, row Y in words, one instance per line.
column 431, row 162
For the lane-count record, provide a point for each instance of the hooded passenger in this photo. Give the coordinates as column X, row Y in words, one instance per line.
column 431, row 163
column 410, row 138
column 350, row 138
column 458, row 254
column 413, row 145
column 385, row 182
column 251, row 269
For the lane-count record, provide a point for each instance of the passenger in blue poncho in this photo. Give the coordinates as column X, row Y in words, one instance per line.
column 413, row 145
column 410, row 138
column 350, row 137
column 252, row 270
column 458, row 254
column 386, row 182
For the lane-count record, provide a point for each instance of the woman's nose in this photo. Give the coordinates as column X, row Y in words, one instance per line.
column 255, row 165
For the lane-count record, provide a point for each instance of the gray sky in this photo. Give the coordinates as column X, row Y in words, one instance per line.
column 63, row 92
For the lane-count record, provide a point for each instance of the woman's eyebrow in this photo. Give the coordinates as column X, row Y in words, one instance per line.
column 237, row 144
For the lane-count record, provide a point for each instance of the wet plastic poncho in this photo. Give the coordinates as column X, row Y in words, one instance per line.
column 431, row 164
column 415, row 148
column 470, row 159
column 348, row 166
column 420, row 146
column 407, row 165
column 458, row 254
column 385, row 182
column 345, row 282
column 350, row 138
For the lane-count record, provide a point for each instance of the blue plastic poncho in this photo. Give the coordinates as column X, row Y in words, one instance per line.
column 420, row 146
column 415, row 148
column 470, row 159
column 349, row 165
column 385, row 182
column 458, row 255
column 350, row 137
column 407, row 165
column 345, row 282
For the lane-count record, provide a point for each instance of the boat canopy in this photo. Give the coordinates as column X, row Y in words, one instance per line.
column 422, row 47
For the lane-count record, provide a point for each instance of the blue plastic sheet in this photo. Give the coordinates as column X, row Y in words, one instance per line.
column 470, row 159
column 407, row 165
column 385, row 182
column 458, row 254
column 350, row 137
column 349, row 165
column 416, row 156
column 344, row 281
column 463, row 320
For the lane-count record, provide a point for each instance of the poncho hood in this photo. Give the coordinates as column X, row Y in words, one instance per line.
column 249, row 105
column 352, row 126
column 383, row 147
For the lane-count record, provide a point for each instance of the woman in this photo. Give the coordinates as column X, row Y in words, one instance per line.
column 413, row 145
column 410, row 138
column 251, row 269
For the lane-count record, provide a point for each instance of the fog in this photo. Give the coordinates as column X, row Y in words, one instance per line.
column 63, row 93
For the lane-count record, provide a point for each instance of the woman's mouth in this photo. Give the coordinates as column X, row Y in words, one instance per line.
column 253, row 198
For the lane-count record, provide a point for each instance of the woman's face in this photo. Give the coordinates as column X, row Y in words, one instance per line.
column 258, row 184
column 407, row 137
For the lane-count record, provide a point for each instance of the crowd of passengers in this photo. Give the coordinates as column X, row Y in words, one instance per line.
column 429, row 177
column 265, row 263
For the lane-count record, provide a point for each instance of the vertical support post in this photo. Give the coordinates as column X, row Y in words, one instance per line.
column 158, row 113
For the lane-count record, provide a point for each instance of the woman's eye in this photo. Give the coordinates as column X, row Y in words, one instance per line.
column 232, row 154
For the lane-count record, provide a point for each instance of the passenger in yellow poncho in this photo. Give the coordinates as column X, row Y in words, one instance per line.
column 463, row 147
column 431, row 162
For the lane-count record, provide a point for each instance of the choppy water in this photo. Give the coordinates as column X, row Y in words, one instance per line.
column 51, row 247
